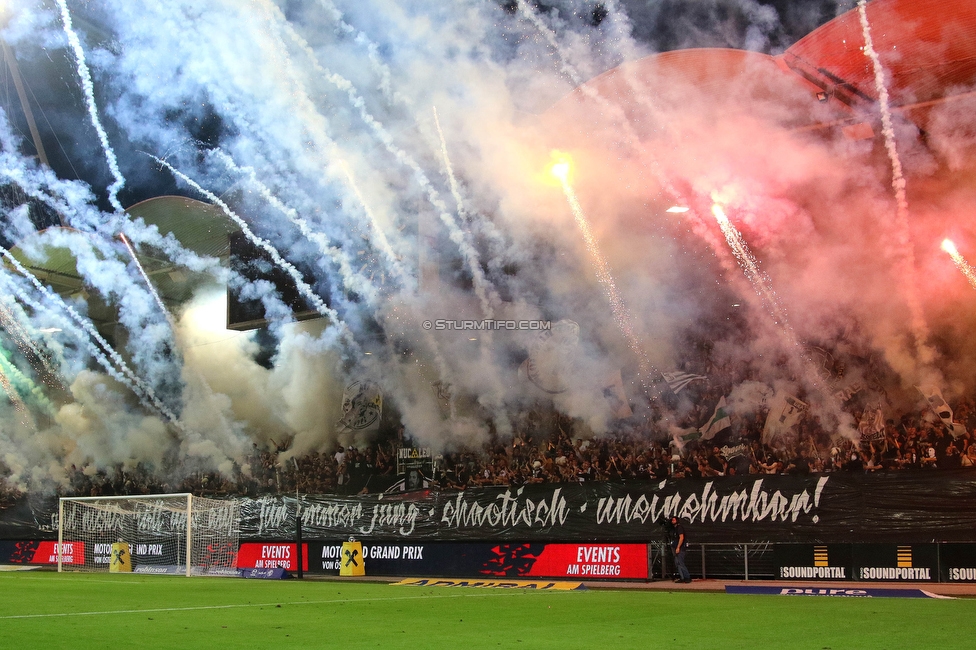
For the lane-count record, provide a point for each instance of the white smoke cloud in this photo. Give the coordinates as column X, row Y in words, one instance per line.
column 315, row 121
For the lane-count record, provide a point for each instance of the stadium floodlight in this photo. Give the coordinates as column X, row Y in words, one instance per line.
column 159, row 533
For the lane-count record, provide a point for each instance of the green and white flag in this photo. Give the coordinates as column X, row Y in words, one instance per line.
column 720, row 420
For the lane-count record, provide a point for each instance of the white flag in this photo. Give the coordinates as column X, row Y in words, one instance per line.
column 937, row 403
column 784, row 412
column 871, row 426
column 362, row 406
column 678, row 380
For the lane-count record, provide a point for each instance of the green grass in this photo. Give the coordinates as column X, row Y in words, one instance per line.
column 47, row 610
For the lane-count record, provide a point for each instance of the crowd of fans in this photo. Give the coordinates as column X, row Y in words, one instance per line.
column 535, row 455
column 549, row 447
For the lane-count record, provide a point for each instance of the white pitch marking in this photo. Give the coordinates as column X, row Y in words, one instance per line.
column 243, row 605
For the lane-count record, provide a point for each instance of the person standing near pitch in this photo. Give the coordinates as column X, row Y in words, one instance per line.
column 679, row 546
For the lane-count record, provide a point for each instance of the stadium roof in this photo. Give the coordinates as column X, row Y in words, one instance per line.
column 926, row 47
column 199, row 227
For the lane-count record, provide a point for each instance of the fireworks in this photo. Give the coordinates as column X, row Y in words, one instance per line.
column 759, row 280
column 960, row 261
column 905, row 251
column 561, row 169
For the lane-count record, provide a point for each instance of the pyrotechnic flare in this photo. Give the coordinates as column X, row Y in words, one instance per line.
column 113, row 164
column 547, row 34
column 351, row 279
column 11, row 323
column 127, row 376
column 960, row 261
column 17, row 401
column 901, row 230
column 24, row 385
column 89, row 89
column 750, row 267
column 621, row 314
column 407, row 281
column 482, row 287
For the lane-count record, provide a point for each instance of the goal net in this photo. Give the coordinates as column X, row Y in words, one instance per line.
column 165, row 533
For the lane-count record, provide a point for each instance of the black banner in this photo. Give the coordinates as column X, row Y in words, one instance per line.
column 957, row 562
column 814, row 562
column 904, row 563
column 905, row 507
column 895, row 508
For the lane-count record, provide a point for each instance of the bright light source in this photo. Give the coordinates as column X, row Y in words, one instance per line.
column 367, row 353
column 677, row 209
column 719, row 214
column 49, row 330
column 949, row 247
column 560, row 170
column 560, row 166
column 472, row 339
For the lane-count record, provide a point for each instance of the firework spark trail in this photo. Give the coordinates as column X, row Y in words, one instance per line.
column 84, row 74
column 631, row 137
column 407, row 281
column 11, row 323
column 82, row 334
column 142, row 390
column 12, row 168
column 750, row 267
column 884, row 104
column 902, row 229
column 761, row 283
column 449, row 169
column 624, row 124
column 17, row 401
column 964, row 267
column 621, row 314
column 486, row 225
column 145, row 278
column 317, row 303
column 547, row 34
column 482, row 287
column 486, row 339
column 17, row 378
column 34, row 183
column 373, row 52
column 341, row 259
column 351, row 279
column 89, row 89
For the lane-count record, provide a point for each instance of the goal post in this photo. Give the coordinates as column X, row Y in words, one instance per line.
column 158, row 533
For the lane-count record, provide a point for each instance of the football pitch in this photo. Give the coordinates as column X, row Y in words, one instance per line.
column 47, row 609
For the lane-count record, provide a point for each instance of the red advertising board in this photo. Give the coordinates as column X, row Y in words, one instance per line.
column 271, row 555
column 47, row 553
column 591, row 561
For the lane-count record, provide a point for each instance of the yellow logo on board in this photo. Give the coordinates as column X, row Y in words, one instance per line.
column 121, row 560
column 351, row 559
